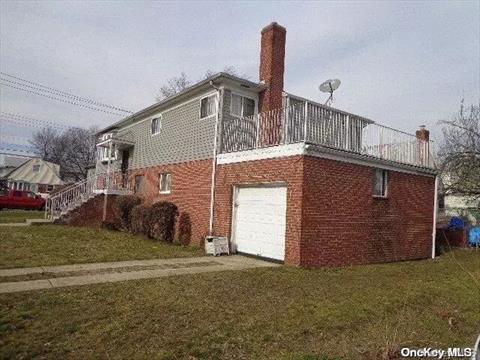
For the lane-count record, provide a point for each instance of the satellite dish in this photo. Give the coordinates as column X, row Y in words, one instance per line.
column 329, row 86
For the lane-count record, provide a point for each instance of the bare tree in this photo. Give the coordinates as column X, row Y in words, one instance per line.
column 460, row 153
column 73, row 150
column 173, row 86
column 180, row 83
column 44, row 142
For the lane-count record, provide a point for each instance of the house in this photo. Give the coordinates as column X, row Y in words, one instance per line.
column 35, row 175
column 282, row 176
column 457, row 204
column 9, row 162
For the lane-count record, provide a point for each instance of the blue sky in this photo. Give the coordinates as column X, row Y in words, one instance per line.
column 402, row 64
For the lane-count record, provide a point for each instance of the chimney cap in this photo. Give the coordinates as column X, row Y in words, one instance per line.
column 274, row 24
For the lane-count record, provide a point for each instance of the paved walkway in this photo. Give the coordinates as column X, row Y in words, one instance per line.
column 85, row 274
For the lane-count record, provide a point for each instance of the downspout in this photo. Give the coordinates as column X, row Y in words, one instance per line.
column 214, row 161
column 107, row 183
column 435, row 206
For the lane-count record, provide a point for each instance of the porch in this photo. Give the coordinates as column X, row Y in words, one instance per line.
column 303, row 121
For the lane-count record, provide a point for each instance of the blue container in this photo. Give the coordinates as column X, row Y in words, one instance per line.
column 474, row 236
column 456, row 223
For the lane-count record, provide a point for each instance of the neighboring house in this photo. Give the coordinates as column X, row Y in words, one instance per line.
column 35, row 175
column 9, row 162
column 467, row 207
column 283, row 177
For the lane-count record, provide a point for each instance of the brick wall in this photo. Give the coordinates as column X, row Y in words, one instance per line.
column 190, row 191
column 332, row 217
column 343, row 224
column 288, row 170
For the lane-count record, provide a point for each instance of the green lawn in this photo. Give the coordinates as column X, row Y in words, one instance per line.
column 18, row 216
column 57, row 245
column 362, row 312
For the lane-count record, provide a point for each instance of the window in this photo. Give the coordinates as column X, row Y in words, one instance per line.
column 164, row 183
column 139, row 184
column 36, row 168
column 380, row 183
column 49, row 188
column 207, row 106
column 156, row 125
column 242, row 106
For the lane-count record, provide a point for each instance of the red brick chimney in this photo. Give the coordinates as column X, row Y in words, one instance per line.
column 423, row 151
column 272, row 66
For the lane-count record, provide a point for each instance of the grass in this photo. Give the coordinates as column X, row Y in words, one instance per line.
column 58, row 245
column 19, row 216
column 362, row 312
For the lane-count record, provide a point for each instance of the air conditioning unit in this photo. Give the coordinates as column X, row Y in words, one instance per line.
column 216, row 245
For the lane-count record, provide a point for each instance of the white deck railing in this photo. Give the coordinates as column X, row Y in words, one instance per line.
column 321, row 125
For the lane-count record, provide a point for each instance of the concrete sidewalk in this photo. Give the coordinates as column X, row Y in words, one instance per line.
column 95, row 273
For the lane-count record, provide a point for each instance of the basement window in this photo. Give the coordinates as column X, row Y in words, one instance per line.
column 207, row 106
column 242, row 106
column 164, row 183
column 380, row 180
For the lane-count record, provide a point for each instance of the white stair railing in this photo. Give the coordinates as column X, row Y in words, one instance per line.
column 70, row 198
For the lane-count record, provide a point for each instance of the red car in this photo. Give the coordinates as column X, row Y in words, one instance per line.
column 16, row 199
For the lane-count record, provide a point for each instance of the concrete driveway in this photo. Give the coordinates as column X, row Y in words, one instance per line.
column 46, row 277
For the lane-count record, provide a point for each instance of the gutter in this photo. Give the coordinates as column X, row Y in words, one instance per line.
column 214, row 161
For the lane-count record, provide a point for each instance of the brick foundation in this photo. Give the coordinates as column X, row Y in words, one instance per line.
column 90, row 213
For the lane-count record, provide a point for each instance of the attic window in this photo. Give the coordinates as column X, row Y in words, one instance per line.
column 36, row 168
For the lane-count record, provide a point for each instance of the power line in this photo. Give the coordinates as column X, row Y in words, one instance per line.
column 26, row 120
column 54, row 91
column 60, row 99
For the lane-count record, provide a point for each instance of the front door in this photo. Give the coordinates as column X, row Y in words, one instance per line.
column 124, row 168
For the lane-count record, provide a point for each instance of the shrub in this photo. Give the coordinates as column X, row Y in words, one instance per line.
column 123, row 209
column 162, row 216
column 139, row 220
column 184, row 229
column 109, row 225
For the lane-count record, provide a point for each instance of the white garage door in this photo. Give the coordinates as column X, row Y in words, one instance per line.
column 260, row 219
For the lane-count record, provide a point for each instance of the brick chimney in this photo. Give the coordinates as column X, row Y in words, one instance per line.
column 423, row 151
column 272, row 66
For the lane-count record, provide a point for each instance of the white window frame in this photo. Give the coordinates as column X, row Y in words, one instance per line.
column 214, row 95
column 169, row 183
column 49, row 188
column 384, row 183
column 34, row 167
column 243, row 96
column 159, row 118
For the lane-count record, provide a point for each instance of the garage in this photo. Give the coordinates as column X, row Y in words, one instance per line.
column 259, row 220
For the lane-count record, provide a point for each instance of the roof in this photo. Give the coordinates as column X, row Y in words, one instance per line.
column 49, row 173
column 183, row 94
column 10, row 160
